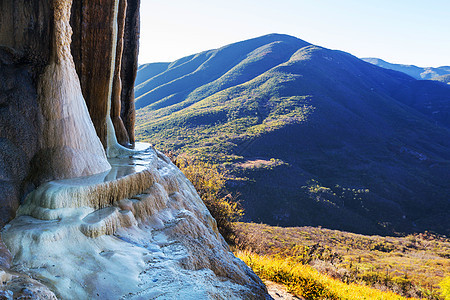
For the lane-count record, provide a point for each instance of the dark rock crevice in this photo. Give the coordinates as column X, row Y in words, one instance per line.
column 130, row 65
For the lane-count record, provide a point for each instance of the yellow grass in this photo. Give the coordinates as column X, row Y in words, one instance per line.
column 304, row 281
column 445, row 288
column 412, row 266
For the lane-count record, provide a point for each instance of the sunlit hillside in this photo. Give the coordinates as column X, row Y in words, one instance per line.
column 311, row 136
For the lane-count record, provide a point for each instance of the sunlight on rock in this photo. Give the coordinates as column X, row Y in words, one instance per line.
column 69, row 145
column 139, row 231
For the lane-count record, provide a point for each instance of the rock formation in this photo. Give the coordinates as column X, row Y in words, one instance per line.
column 26, row 31
column 68, row 146
column 130, row 226
column 25, row 36
column 129, row 67
column 98, row 51
column 139, row 231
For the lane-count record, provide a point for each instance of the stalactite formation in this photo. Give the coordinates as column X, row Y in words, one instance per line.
column 119, row 127
column 69, row 146
column 113, row 148
column 129, row 66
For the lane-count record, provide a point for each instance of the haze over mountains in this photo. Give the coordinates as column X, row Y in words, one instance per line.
column 312, row 136
column 411, row 70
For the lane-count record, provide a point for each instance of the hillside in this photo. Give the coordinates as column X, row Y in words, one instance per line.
column 310, row 136
column 413, row 266
column 443, row 78
column 411, row 70
column 147, row 71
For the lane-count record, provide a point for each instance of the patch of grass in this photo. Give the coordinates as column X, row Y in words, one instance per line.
column 305, row 281
column 445, row 288
column 412, row 266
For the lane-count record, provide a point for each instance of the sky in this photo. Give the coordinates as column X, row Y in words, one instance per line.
column 399, row 31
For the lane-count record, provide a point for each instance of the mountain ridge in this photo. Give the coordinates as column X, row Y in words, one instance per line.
column 308, row 124
column 412, row 70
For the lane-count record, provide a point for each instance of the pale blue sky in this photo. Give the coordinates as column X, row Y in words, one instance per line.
column 399, row 31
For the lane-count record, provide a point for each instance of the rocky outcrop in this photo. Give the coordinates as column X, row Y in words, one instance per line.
column 27, row 156
column 139, row 231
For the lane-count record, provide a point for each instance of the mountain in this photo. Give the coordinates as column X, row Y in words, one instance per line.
column 443, row 78
column 411, row 70
column 147, row 71
column 311, row 136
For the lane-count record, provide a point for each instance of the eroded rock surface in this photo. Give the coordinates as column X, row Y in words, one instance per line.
column 69, row 146
column 27, row 45
column 25, row 33
column 18, row 134
column 155, row 239
column 97, row 26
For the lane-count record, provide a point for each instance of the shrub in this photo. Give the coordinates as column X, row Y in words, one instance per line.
column 209, row 181
column 383, row 247
column 351, row 258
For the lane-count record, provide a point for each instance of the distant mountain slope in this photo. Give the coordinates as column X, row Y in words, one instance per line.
column 147, row 71
column 443, row 78
column 319, row 136
column 411, row 70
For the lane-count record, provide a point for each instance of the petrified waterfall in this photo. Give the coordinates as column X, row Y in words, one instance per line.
column 130, row 226
column 113, row 148
column 69, row 146
column 139, row 231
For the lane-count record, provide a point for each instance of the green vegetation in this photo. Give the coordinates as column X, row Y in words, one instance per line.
column 210, row 185
column 413, row 266
column 321, row 263
column 277, row 113
column 211, row 130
